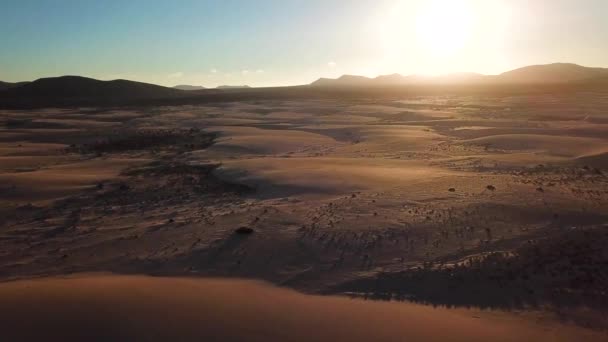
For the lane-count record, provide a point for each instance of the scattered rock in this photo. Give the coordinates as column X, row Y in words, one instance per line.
column 244, row 230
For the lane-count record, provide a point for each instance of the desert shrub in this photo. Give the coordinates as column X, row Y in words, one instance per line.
column 148, row 139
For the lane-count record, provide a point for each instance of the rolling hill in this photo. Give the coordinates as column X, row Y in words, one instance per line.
column 9, row 85
column 552, row 73
column 77, row 87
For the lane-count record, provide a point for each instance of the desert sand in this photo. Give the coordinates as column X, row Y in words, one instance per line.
column 125, row 308
column 342, row 196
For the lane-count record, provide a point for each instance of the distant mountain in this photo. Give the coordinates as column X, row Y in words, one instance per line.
column 8, row 85
column 552, row 73
column 547, row 74
column 345, row 80
column 396, row 79
column 188, row 87
column 70, row 87
column 233, row 87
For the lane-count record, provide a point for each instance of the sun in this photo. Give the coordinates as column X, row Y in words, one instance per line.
column 443, row 27
column 432, row 36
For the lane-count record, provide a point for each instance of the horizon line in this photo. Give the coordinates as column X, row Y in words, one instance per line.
column 422, row 75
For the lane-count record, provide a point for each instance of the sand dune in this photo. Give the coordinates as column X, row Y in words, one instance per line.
column 550, row 144
column 340, row 191
column 28, row 148
column 160, row 309
column 281, row 176
column 30, row 163
column 58, row 181
column 265, row 141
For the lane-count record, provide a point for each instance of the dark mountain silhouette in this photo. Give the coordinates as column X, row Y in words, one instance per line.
column 233, row 87
column 188, row 87
column 71, row 91
column 8, row 85
column 543, row 74
column 88, row 88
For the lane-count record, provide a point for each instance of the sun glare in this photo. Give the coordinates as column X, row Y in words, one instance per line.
column 434, row 35
column 444, row 26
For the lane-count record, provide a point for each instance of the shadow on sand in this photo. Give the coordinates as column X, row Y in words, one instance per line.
column 565, row 272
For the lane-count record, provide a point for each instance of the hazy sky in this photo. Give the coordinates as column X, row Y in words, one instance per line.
column 281, row 42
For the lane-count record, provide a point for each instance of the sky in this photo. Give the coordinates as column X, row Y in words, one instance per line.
column 289, row 42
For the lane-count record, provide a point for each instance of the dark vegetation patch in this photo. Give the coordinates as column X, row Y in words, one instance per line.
column 166, row 182
column 147, row 139
column 179, row 176
column 569, row 270
column 160, row 183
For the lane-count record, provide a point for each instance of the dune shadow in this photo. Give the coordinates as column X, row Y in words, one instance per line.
column 562, row 272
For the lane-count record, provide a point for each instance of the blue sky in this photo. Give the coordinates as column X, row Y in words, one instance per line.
column 267, row 42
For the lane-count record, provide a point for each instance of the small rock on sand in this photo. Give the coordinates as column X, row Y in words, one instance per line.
column 244, row 230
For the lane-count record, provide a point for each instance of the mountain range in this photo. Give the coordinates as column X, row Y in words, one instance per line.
column 233, row 87
column 188, row 87
column 79, row 91
column 535, row 74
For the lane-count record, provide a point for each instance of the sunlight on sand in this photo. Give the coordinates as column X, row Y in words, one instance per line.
column 146, row 308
